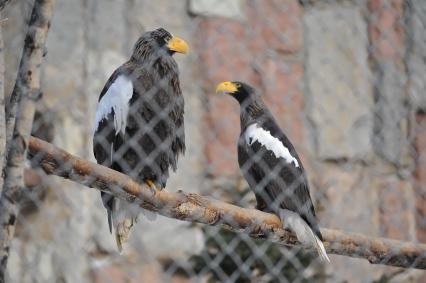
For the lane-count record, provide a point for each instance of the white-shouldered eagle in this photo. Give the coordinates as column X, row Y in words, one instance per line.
column 272, row 167
column 139, row 123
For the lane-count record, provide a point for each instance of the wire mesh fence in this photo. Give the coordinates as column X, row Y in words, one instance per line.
column 344, row 80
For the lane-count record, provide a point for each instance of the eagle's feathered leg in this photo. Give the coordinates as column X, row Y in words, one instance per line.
column 125, row 216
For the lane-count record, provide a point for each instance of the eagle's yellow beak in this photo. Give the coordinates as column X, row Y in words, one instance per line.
column 226, row 87
column 179, row 45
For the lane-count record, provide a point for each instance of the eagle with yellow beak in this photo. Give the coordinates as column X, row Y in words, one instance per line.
column 139, row 123
column 272, row 168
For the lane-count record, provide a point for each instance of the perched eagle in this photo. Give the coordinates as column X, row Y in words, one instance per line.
column 139, row 124
column 272, row 167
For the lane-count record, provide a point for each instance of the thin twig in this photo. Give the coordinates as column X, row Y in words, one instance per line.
column 196, row 208
column 21, row 113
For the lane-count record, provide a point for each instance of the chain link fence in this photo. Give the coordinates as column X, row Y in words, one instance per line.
column 345, row 81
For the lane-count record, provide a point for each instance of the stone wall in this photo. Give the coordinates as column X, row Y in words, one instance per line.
column 334, row 74
column 343, row 78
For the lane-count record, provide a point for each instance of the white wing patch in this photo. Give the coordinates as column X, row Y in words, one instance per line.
column 255, row 133
column 116, row 98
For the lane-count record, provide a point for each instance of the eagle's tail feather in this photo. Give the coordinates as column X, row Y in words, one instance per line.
column 303, row 232
column 109, row 211
column 108, row 202
column 320, row 249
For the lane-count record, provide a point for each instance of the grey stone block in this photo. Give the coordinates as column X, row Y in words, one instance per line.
column 219, row 8
column 339, row 94
column 417, row 54
column 391, row 112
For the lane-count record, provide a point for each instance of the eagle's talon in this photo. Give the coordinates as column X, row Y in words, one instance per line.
column 152, row 187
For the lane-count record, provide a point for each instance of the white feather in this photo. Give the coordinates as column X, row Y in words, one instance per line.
column 124, row 216
column 303, row 232
column 255, row 133
column 123, row 210
column 116, row 98
column 151, row 216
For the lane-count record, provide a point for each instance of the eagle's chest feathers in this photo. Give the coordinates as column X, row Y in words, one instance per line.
column 255, row 133
column 116, row 100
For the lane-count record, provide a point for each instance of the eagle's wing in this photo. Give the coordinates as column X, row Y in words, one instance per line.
column 115, row 102
column 110, row 124
column 275, row 172
column 278, row 166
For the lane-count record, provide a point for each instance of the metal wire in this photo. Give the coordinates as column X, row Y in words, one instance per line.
column 344, row 80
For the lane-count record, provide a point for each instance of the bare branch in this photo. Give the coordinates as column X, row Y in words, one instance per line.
column 196, row 208
column 3, row 4
column 2, row 108
column 28, row 80
column 20, row 117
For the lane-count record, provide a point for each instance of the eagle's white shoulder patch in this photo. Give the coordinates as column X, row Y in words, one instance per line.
column 116, row 98
column 256, row 133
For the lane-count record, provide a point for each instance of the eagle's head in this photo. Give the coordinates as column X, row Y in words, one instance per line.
column 239, row 90
column 158, row 42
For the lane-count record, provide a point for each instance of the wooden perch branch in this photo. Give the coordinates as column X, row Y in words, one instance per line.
column 196, row 208
column 20, row 115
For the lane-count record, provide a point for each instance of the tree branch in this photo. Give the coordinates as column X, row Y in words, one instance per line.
column 20, row 117
column 3, row 4
column 2, row 107
column 28, row 80
column 196, row 208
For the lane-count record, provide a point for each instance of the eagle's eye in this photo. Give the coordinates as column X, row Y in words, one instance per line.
column 163, row 40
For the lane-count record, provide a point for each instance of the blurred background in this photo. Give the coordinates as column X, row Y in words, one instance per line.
column 344, row 78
